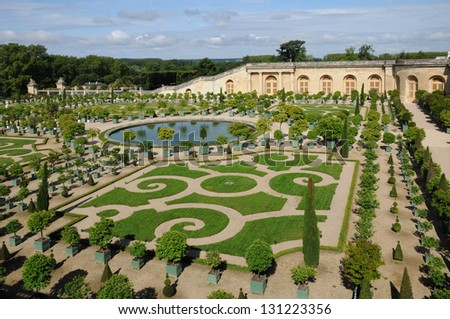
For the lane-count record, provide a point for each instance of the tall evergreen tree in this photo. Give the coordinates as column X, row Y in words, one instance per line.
column 405, row 288
column 345, row 147
column 431, row 173
column 311, row 235
column 390, row 160
column 357, row 108
column 443, row 183
column 43, row 197
column 362, row 96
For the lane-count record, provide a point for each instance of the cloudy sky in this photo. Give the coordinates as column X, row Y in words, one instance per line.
column 223, row 28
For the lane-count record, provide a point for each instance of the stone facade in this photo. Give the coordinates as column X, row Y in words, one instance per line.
column 312, row 77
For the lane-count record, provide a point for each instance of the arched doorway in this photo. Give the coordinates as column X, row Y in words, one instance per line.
column 375, row 83
column 230, row 87
column 411, row 88
column 326, row 84
column 349, row 84
column 303, row 84
column 437, row 83
column 271, row 85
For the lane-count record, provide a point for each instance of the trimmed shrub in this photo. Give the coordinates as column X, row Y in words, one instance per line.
column 168, row 290
column 406, row 289
column 393, row 192
column 365, row 292
column 396, row 227
column 394, row 208
column 391, row 180
column 107, row 273
column 398, row 252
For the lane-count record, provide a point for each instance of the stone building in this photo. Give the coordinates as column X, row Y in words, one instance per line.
column 312, row 77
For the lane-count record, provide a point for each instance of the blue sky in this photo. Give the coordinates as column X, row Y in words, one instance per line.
column 223, row 28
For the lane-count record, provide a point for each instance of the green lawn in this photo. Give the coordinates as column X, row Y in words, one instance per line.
column 236, row 167
column 228, row 184
column 333, row 169
column 175, row 170
column 14, row 152
column 246, row 205
column 272, row 230
column 29, row 157
column 108, row 213
column 120, row 196
column 269, row 159
column 284, row 184
column 173, row 186
column 6, row 160
column 142, row 224
column 17, row 142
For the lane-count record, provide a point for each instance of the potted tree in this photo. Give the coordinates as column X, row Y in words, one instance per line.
column 100, row 234
column 186, row 145
column 204, row 148
column 71, row 237
column 36, row 224
column 213, row 260
column 388, row 139
column 259, row 258
column 172, row 246
column 279, row 136
column 165, row 134
column 301, row 276
column 138, row 251
column 12, row 228
column 4, row 191
column 23, row 193
column 221, row 140
column 429, row 242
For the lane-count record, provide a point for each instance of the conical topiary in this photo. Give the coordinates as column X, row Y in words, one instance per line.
column 394, row 208
column 241, row 294
column 398, row 253
column 31, row 206
column 169, row 289
column 405, row 288
column 396, row 227
column 4, row 252
column 390, row 160
column 393, row 192
column 443, row 183
column 107, row 273
column 91, row 181
column 365, row 292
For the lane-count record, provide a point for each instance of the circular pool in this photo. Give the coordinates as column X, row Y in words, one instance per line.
column 184, row 131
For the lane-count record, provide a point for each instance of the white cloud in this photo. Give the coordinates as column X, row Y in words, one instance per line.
column 158, row 40
column 219, row 17
column 37, row 37
column 192, row 12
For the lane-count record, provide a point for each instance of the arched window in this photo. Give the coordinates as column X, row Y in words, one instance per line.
column 349, row 84
column 412, row 86
column 230, row 86
column 271, row 85
column 437, row 83
column 303, row 84
column 375, row 83
column 326, row 84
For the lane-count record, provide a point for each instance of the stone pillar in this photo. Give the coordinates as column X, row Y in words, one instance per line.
column 280, row 76
column 32, row 87
column 293, row 86
column 249, row 82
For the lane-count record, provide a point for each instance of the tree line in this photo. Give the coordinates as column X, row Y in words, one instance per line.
column 19, row 63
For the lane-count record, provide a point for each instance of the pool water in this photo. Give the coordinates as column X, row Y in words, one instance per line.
column 184, row 131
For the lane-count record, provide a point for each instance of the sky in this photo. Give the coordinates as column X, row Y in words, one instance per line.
column 194, row 29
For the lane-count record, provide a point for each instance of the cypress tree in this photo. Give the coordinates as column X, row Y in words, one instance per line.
column 4, row 252
column 365, row 292
column 390, row 160
column 431, row 173
column 345, row 147
column 362, row 96
column 405, row 288
column 357, row 108
column 443, row 183
column 311, row 236
column 107, row 273
column 398, row 252
column 42, row 202
column 427, row 156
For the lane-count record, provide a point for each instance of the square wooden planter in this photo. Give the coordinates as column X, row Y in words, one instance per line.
column 137, row 263
column 294, row 143
column 72, row 251
column 14, row 241
column 173, row 269
column 9, row 205
column 258, row 284
column 142, row 117
column 102, row 256
column 115, row 121
column 204, row 149
column 388, row 149
column 167, row 152
column 41, row 244
column 21, row 207
column 214, row 276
